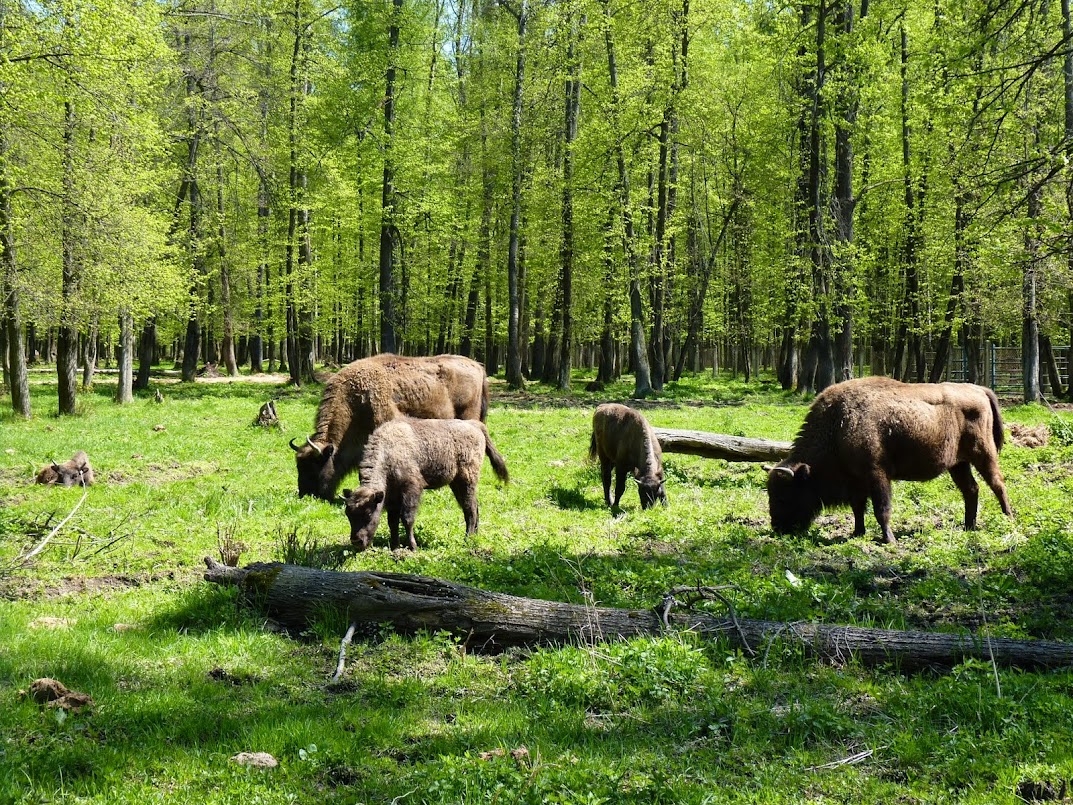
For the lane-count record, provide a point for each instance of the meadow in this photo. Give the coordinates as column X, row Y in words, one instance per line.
column 183, row 677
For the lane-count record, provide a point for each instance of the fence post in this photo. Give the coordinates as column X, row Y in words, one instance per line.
column 990, row 380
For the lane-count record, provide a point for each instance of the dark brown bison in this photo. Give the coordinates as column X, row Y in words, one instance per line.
column 369, row 392
column 624, row 441
column 405, row 457
column 860, row 435
column 76, row 471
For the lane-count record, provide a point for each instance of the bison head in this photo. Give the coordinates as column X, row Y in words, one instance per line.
column 363, row 508
column 793, row 498
column 650, row 487
column 316, row 469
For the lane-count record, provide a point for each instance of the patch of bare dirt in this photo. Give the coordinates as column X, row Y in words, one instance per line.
column 157, row 473
column 23, row 588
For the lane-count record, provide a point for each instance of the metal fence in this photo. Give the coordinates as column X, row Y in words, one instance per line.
column 1002, row 368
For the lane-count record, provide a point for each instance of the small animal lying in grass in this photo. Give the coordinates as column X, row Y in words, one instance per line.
column 624, row 440
column 73, row 472
column 403, row 458
column 860, row 435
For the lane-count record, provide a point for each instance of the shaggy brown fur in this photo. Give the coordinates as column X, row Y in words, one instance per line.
column 73, row 472
column 623, row 440
column 369, row 392
column 405, row 457
column 860, row 435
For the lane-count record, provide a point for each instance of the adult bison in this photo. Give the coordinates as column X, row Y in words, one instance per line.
column 366, row 393
column 860, row 435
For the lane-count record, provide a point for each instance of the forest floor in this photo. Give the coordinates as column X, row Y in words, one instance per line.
column 183, row 678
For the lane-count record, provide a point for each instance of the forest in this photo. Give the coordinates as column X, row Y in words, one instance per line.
column 818, row 189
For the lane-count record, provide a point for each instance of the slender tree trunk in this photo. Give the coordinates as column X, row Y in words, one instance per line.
column 642, row 386
column 10, row 314
column 67, row 340
column 606, row 372
column 389, row 232
column 514, row 356
column 89, row 356
column 228, row 340
column 146, row 353
column 566, row 276
column 125, row 386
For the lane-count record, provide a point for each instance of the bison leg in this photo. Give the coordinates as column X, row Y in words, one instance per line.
column 393, row 517
column 881, row 507
column 466, row 495
column 989, row 470
column 410, row 503
column 962, row 476
column 620, row 484
column 605, row 475
column 859, row 505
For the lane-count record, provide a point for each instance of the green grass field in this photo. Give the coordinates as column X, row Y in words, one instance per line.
column 183, row 677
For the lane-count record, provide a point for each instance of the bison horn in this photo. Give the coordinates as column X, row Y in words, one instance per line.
column 789, row 473
column 294, row 447
column 309, row 441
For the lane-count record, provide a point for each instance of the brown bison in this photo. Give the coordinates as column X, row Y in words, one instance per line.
column 73, row 472
column 369, row 392
column 860, row 435
column 405, row 457
column 623, row 440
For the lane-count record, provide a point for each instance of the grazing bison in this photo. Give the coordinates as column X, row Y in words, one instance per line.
column 624, row 440
column 405, row 457
column 367, row 393
column 73, row 472
column 860, row 435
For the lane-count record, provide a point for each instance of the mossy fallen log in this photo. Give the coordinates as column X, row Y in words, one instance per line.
column 720, row 445
column 297, row 596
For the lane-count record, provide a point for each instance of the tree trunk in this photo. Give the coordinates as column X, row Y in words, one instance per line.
column 228, row 341
column 125, row 386
column 10, row 313
column 718, row 445
column 389, row 231
column 642, row 386
column 514, row 356
column 67, row 340
column 298, row 597
column 566, row 275
column 146, row 353
column 606, row 372
column 89, row 356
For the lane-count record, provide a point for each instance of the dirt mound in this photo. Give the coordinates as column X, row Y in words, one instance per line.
column 1030, row 435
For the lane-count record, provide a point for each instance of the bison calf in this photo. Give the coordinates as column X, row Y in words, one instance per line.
column 73, row 472
column 860, row 435
column 623, row 440
column 403, row 458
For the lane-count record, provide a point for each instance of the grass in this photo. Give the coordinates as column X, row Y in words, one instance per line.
column 183, row 677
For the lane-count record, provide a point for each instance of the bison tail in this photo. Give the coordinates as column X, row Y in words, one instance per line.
column 593, row 452
column 484, row 400
column 997, row 429
column 499, row 466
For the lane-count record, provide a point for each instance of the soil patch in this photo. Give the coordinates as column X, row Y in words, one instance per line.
column 23, row 588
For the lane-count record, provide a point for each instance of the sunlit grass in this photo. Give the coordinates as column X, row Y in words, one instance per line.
column 184, row 678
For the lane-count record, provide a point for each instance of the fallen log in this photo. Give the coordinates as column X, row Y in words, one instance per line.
column 719, row 445
column 297, row 596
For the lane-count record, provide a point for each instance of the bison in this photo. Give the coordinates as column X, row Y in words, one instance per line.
column 623, row 440
column 405, row 457
column 76, row 471
column 371, row 391
column 860, row 435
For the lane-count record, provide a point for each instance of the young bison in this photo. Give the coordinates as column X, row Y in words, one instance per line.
column 369, row 392
column 860, row 435
column 405, row 457
column 73, row 472
column 624, row 440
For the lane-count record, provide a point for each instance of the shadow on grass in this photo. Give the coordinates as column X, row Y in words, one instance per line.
column 572, row 499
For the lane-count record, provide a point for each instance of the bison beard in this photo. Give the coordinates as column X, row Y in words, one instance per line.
column 860, row 435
